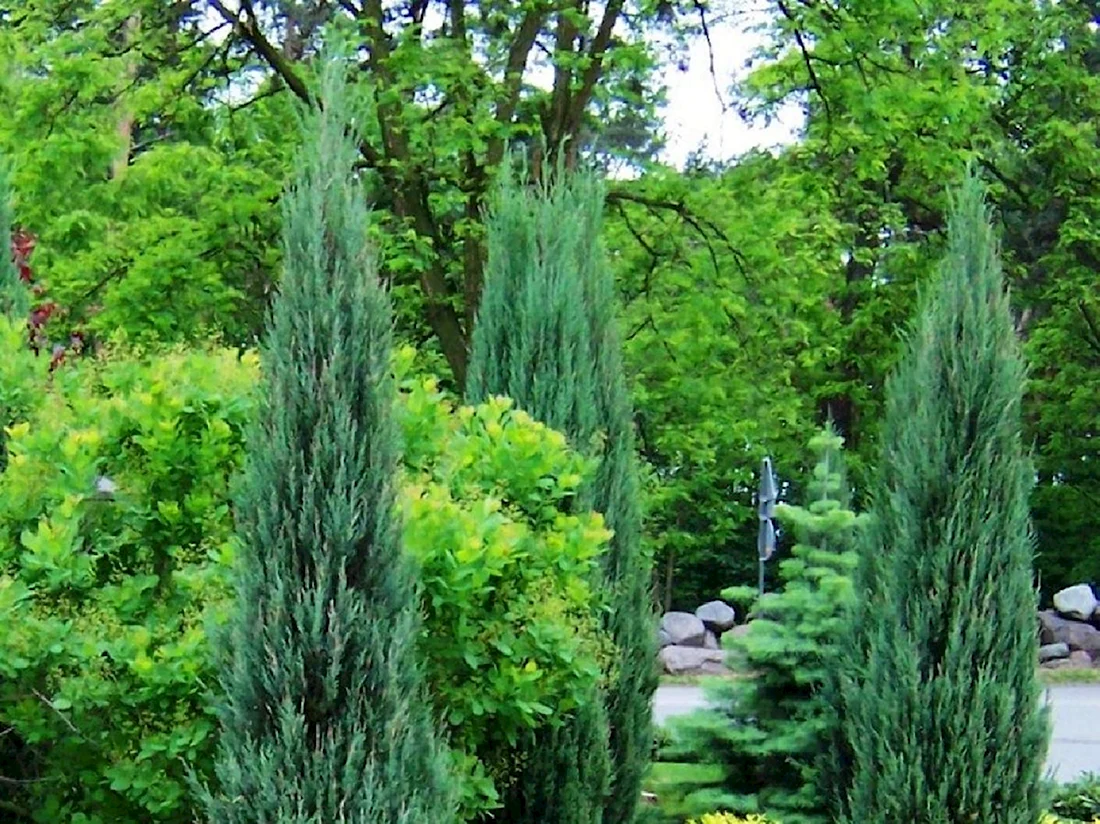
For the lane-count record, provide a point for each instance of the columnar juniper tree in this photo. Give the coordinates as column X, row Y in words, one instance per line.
column 325, row 719
column 547, row 337
column 937, row 691
column 14, row 300
column 767, row 732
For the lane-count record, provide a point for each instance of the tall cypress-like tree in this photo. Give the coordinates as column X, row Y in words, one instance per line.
column 937, row 691
column 325, row 717
column 547, row 337
column 767, row 732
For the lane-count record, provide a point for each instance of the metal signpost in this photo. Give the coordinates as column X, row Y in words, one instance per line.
column 766, row 496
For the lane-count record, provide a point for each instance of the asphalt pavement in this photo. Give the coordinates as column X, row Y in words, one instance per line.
column 1075, row 710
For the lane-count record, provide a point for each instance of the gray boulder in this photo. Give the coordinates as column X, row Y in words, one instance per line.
column 718, row 616
column 710, row 641
column 1076, row 602
column 663, row 638
column 1053, row 629
column 1076, row 660
column 678, row 660
column 1051, row 652
column 683, row 629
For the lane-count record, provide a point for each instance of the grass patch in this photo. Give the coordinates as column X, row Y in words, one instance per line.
column 1070, row 676
column 670, row 783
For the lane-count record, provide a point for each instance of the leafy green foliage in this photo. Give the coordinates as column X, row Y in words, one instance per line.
column 731, row 340
column 547, row 336
column 140, row 192
column 115, row 531
column 1078, row 799
column 935, row 688
column 768, row 731
column 512, row 642
column 133, row 657
column 325, row 714
column 895, row 95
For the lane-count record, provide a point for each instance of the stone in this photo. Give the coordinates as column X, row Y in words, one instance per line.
column 684, row 629
column 717, row 616
column 710, row 641
column 1051, row 652
column 663, row 638
column 739, row 632
column 1053, row 629
column 1076, row 602
column 1076, row 660
column 680, row 660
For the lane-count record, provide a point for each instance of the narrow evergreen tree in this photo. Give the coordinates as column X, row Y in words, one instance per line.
column 547, row 337
column 937, row 690
column 767, row 731
column 14, row 300
column 325, row 718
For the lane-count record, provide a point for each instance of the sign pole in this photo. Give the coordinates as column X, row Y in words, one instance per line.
column 766, row 496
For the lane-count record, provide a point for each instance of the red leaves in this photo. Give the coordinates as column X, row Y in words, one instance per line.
column 22, row 246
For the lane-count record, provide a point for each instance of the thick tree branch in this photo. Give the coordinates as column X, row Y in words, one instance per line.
column 249, row 29
column 1092, row 324
column 512, row 85
column 592, row 72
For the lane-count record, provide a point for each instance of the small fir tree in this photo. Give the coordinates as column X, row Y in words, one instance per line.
column 547, row 337
column 325, row 717
column 936, row 689
column 767, row 732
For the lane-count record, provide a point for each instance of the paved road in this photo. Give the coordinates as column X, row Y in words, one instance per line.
column 1074, row 747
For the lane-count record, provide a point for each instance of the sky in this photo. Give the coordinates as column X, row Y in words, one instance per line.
column 698, row 114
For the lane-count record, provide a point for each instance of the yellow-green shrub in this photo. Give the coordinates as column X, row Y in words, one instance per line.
column 116, row 539
column 730, row 818
column 511, row 635
column 114, row 534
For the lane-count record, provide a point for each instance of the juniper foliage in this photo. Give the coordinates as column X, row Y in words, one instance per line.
column 14, row 299
column 547, row 337
column 325, row 718
column 936, row 690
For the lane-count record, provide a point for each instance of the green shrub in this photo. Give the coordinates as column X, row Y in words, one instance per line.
column 105, row 673
column 512, row 638
column 104, row 594
column 1078, row 800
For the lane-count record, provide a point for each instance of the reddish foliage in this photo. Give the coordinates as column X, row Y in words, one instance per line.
column 22, row 246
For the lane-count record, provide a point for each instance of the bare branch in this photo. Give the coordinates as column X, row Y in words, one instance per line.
column 815, row 83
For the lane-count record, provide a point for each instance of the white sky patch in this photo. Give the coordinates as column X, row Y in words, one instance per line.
column 701, row 116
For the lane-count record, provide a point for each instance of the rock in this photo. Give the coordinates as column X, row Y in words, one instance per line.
column 1081, row 658
column 1054, row 629
column 1051, row 652
column 680, row 660
column 684, row 629
column 710, row 641
column 739, row 632
column 717, row 616
column 1076, row 660
column 663, row 638
column 1076, row 602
